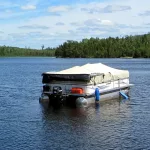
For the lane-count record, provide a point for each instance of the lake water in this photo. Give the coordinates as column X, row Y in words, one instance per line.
column 26, row 124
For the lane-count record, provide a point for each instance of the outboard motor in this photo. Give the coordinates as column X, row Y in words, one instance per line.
column 56, row 98
column 57, row 90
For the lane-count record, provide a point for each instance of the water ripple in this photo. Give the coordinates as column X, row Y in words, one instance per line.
column 26, row 124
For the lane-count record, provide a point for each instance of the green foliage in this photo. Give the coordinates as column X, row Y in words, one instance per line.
column 128, row 46
column 15, row 51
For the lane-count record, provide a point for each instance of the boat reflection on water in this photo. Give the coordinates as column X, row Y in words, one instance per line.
column 103, row 109
column 87, row 126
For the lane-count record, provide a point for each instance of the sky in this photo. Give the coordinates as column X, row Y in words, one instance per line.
column 33, row 23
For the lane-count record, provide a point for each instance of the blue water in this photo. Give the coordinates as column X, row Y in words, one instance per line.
column 26, row 124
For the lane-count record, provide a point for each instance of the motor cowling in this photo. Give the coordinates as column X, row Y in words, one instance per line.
column 57, row 90
column 56, row 99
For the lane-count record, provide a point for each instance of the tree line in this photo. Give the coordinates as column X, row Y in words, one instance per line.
column 137, row 46
column 16, row 51
column 129, row 46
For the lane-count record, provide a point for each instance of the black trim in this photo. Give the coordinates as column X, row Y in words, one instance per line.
column 47, row 78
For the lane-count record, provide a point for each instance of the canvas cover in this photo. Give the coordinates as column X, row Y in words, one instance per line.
column 93, row 73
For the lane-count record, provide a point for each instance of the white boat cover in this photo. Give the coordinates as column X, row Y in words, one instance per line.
column 97, row 73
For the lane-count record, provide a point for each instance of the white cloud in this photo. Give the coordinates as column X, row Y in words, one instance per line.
column 146, row 13
column 107, row 22
column 60, row 24
column 75, row 24
column 28, row 7
column 98, row 22
column 106, row 9
column 55, row 9
column 33, row 27
column 114, row 8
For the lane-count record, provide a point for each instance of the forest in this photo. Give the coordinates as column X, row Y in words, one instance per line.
column 129, row 46
column 7, row 51
column 137, row 46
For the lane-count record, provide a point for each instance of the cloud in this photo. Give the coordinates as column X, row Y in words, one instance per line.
column 146, row 13
column 71, row 31
column 54, row 14
column 99, row 30
column 147, row 24
column 30, row 36
column 37, row 35
column 33, row 27
column 107, row 9
column 88, row 29
column 107, row 22
column 75, row 24
column 17, row 36
column 55, row 9
column 60, row 24
column 114, row 8
column 127, row 26
column 28, row 7
column 34, row 39
column 98, row 22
